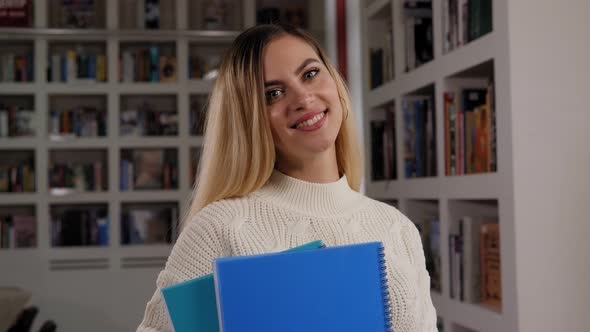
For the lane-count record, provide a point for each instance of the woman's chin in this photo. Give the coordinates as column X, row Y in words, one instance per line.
column 319, row 146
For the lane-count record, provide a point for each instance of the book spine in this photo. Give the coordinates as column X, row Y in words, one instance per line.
column 128, row 67
column 72, row 66
column 10, row 67
column 3, row 123
column 30, row 67
column 101, row 68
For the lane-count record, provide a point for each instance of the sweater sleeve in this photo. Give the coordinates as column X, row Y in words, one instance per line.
column 423, row 300
column 192, row 256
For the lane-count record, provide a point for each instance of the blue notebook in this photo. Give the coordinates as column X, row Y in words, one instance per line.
column 340, row 288
column 192, row 306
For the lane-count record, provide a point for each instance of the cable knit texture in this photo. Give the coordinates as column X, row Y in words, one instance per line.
column 288, row 212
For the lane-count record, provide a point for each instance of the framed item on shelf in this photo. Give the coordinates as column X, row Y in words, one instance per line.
column 16, row 14
column 148, row 164
column 168, row 68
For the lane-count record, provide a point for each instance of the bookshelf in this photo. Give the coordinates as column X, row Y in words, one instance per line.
column 90, row 105
column 411, row 76
column 533, row 183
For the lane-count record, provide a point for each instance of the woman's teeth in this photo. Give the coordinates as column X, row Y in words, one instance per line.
column 311, row 121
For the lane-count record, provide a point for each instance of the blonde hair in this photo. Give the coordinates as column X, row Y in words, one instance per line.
column 239, row 154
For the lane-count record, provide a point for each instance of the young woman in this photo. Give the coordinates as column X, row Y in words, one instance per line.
column 281, row 167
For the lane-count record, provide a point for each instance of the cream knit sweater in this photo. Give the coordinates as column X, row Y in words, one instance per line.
column 288, row 212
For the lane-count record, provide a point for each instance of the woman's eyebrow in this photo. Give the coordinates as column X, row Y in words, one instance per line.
column 302, row 66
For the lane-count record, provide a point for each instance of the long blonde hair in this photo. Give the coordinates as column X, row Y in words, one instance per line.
column 239, row 154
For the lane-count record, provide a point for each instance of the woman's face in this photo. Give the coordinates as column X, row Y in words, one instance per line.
column 301, row 98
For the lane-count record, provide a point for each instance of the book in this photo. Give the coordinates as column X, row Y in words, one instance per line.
column 192, row 305
column 491, row 275
column 341, row 288
column 25, row 229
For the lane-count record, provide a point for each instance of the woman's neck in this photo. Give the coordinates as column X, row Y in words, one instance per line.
column 320, row 168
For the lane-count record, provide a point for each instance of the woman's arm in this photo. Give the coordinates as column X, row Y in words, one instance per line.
column 192, row 256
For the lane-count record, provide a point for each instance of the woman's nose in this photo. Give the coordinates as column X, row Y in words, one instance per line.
column 302, row 98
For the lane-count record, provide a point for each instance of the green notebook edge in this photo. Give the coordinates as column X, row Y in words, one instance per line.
column 192, row 304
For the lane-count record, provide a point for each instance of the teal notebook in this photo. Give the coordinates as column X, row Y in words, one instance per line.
column 192, row 305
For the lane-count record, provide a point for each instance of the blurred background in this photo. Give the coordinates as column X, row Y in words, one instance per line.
column 472, row 114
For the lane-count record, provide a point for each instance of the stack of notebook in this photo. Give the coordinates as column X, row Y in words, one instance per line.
column 341, row 288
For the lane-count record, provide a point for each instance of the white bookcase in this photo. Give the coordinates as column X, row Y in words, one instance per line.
column 539, row 94
column 106, row 288
column 440, row 196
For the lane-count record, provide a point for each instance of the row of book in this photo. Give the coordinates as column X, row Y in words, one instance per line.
column 78, row 177
column 82, row 121
column 430, row 233
column 149, row 225
column 470, row 131
column 419, row 136
column 87, row 226
column 77, row 65
column 18, row 231
column 18, row 178
column 383, row 144
column 87, row 121
column 464, row 21
column 17, row 67
column 475, row 262
column 16, row 121
column 149, row 169
column 418, row 33
column 148, row 122
column 147, row 64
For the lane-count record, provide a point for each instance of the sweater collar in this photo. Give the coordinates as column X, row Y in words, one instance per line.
column 317, row 199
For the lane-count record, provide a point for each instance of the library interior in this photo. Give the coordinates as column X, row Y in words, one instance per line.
column 469, row 115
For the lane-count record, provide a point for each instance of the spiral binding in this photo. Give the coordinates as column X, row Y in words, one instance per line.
column 385, row 288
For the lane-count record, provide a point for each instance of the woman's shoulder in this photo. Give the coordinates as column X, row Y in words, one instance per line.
column 221, row 212
column 391, row 214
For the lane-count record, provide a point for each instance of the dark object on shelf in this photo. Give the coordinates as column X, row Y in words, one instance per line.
column 376, row 68
column 216, row 12
column 295, row 16
column 48, row 326
column 25, row 320
column 423, row 40
column 16, row 13
column 152, row 14
column 79, row 14
column 268, row 15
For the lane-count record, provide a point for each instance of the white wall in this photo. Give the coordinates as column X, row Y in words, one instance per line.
column 550, row 75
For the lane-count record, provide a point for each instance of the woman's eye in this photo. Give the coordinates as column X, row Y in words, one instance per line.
column 273, row 94
column 310, row 74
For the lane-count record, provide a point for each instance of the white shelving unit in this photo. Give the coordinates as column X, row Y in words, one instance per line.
column 434, row 195
column 539, row 193
column 106, row 288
